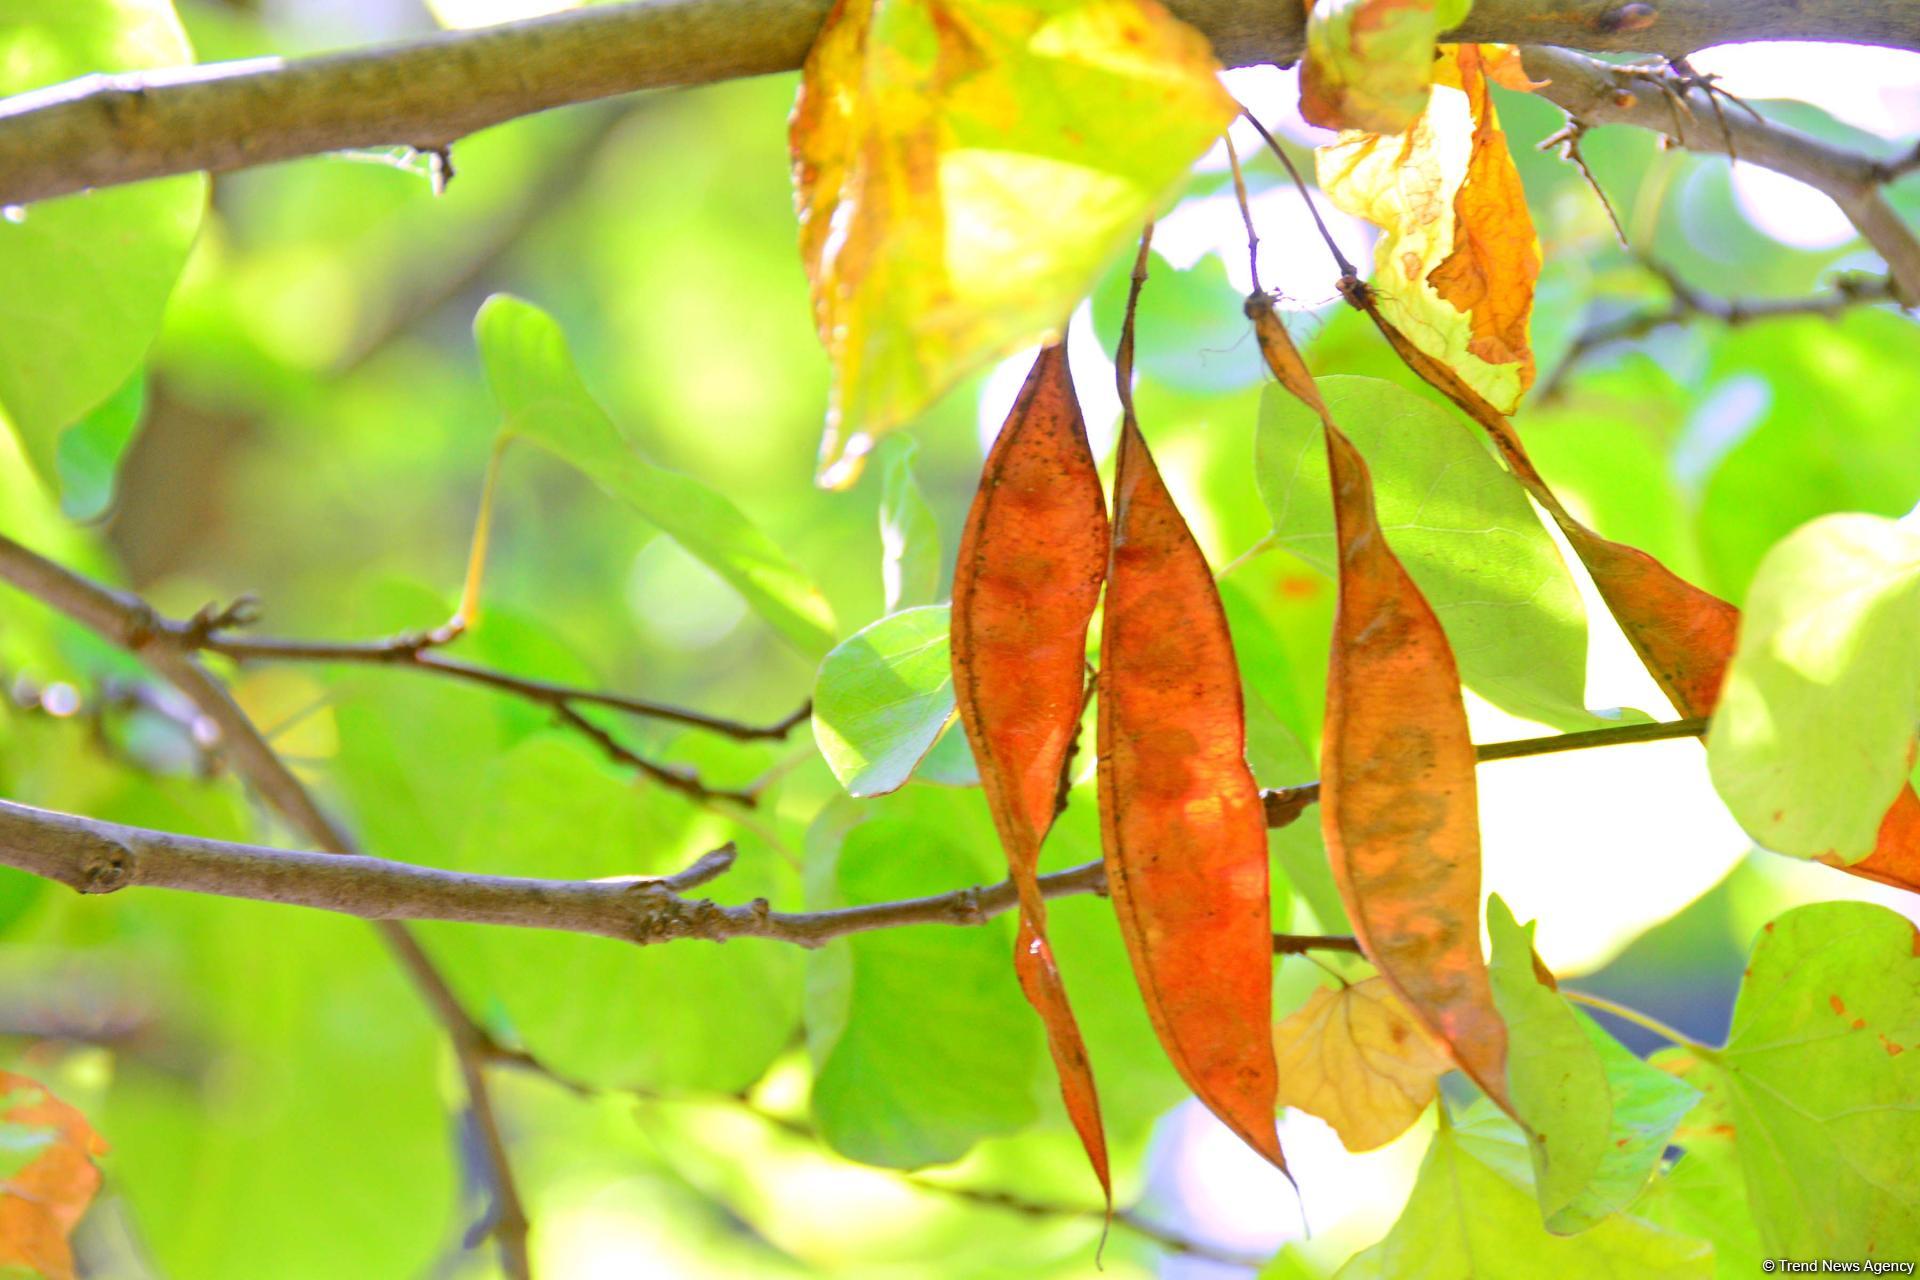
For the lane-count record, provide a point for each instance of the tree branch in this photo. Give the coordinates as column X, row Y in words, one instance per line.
column 1687, row 303
column 410, row 652
column 428, row 93
column 90, row 856
column 130, row 622
column 1595, row 93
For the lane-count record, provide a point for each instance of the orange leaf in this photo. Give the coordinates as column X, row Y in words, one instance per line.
column 44, row 1199
column 1183, row 827
column 1397, row 791
column 1456, row 265
column 1495, row 259
column 1031, row 562
column 1505, row 68
column 1684, row 636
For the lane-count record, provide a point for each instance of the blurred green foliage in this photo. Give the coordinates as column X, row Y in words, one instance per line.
column 314, row 424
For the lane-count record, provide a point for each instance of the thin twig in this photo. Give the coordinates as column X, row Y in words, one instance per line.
column 1172, row 1241
column 1299, row 944
column 408, row 650
column 1306, row 194
column 127, row 621
column 1123, row 352
column 1285, row 804
column 1686, row 303
column 1568, row 140
column 687, row 784
column 1645, row 1022
column 1597, row 94
column 1246, row 211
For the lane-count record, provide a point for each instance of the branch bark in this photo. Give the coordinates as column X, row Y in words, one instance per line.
column 428, row 93
column 1594, row 93
column 91, row 856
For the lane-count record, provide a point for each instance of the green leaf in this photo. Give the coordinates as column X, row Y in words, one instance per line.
column 89, row 452
column 1459, row 523
column 1820, row 1078
column 964, row 170
column 1647, row 1104
column 669, row 1017
column 317, row 1077
column 882, row 698
column 1704, row 1193
column 921, row 1041
column 1554, row 1072
column 1824, row 429
column 1472, row 1216
column 544, row 400
column 950, row 762
column 87, row 276
column 909, row 535
column 1814, row 734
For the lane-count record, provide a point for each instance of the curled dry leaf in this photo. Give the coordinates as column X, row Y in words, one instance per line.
column 1369, row 63
column 1397, row 794
column 1490, row 274
column 1182, row 823
column 1359, row 1060
column 1685, row 636
column 1455, row 269
column 43, row 1195
column 964, row 170
column 1031, row 562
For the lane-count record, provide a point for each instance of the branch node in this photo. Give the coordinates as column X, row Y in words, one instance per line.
column 110, row 867
column 1624, row 18
column 141, row 625
column 212, row 618
column 1285, row 805
column 967, row 907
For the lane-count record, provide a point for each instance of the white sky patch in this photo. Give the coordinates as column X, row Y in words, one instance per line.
column 1218, row 1190
column 1273, row 96
column 1093, row 382
column 1293, row 258
column 1870, row 88
column 1873, row 89
column 1789, row 210
column 1557, row 841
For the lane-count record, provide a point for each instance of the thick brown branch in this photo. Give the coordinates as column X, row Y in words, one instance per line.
column 1595, row 93
column 429, row 93
column 101, row 857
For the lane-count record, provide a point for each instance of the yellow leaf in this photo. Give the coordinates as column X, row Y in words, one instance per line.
column 1357, row 1059
column 964, row 169
column 1456, row 266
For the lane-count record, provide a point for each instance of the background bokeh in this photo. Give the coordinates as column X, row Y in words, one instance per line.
column 313, row 427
